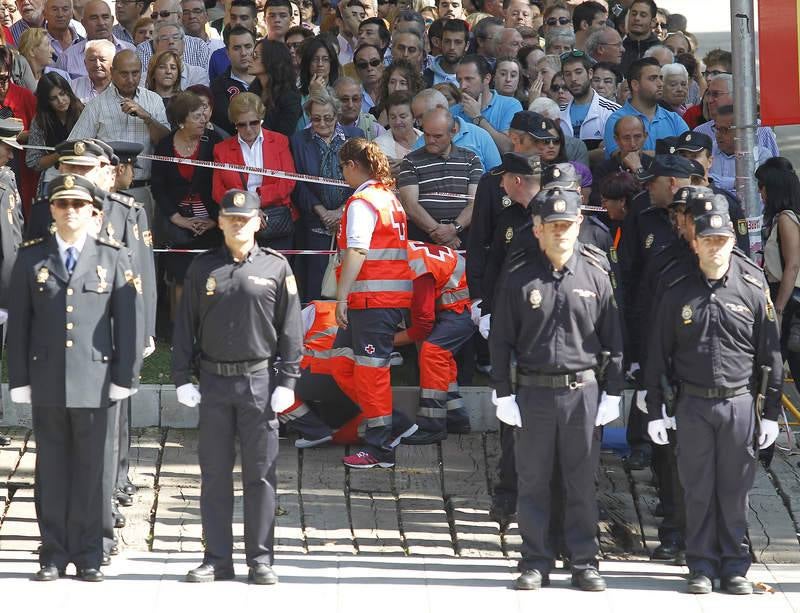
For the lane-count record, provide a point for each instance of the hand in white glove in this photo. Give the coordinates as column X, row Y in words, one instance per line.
column 282, row 399
column 3, row 316
column 188, row 394
column 769, row 432
column 150, row 348
column 483, row 325
column 641, row 403
column 115, row 392
column 475, row 312
column 508, row 411
column 21, row 395
column 657, row 430
column 669, row 422
column 494, row 397
column 608, row 410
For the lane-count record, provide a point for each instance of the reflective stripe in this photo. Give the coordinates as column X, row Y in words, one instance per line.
column 324, row 333
column 387, row 254
column 455, row 404
column 453, row 388
column 432, row 412
column 418, row 266
column 376, row 285
column 432, row 394
column 453, row 297
column 296, row 413
column 363, row 360
column 339, row 352
column 458, row 272
column 375, row 422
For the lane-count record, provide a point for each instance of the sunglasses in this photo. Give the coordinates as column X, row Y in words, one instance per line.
column 163, row 14
column 550, row 141
column 362, row 65
column 558, row 88
column 323, row 119
column 248, row 124
column 70, row 204
column 562, row 21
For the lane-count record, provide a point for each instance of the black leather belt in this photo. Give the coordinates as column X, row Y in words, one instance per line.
column 140, row 183
column 713, row 392
column 233, row 369
column 571, row 379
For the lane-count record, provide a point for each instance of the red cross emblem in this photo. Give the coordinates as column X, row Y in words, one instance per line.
column 369, row 349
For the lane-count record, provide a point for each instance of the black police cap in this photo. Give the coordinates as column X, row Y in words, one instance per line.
column 666, row 166
column 715, row 220
column 239, row 202
column 519, row 164
column 700, row 201
column 694, row 142
column 559, row 204
column 561, row 175
column 72, row 187
column 685, row 194
column 126, row 151
column 9, row 130
column 666, row 146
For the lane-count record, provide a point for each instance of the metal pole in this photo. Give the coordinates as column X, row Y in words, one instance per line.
column 743, row 47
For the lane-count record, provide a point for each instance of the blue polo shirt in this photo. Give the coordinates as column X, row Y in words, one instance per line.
column 499, row 112
column 664, row 124
column 475, row 139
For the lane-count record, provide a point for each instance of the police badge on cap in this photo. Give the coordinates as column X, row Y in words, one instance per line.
column 240, row 202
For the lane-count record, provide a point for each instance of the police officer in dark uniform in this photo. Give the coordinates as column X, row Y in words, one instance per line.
column 239, row 310
column 11, row 222
column 74, row 349
column 558, row 315
column 714, row 333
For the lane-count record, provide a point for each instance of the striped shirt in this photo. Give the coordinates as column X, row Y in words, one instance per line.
column 195, row 52
column 103, row 118
column 19, row 26
column 72, row 60
column 121, row 33
column 434, row 173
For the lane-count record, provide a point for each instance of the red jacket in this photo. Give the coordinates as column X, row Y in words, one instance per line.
column 277, row 156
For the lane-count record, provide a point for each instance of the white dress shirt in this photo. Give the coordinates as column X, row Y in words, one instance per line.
column 63, row 246
column 253, row 156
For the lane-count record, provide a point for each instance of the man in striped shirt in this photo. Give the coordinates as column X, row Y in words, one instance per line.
column 437, row 183
column 195, row 50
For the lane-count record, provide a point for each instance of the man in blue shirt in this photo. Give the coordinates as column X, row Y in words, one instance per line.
column 483, row 106
column 644, row 78
column 468, row 135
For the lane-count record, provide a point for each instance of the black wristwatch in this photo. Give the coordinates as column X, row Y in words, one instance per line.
column 458, row 227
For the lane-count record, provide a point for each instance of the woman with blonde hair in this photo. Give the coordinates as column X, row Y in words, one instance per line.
column 164, row 75
column 34, row 46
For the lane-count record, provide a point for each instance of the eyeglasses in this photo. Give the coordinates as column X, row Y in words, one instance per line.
column 550, row 141
column 163, row 14
column 196, row 12
column 715, row 94
column 616, row 44
column 362, row 65
column 321, row 60
column 723, row 130
column 169, row 38
column 562, row 21
column 248, row 124
column 713, row 73
column 323, row 119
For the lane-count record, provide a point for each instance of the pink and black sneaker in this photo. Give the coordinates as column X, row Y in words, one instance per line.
column 364, row 459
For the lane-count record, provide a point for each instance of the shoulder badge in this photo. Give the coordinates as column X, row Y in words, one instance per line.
column 147, row 238
column 509, row 234
column 33, row 241
column 42, row 275
column 741, row 225
column 291, row 285
column 686, row 314
column 648, row 242
column 506, row 202
column 535, row 298
column 211, row 286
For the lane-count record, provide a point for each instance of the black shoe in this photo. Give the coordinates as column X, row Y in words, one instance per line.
column 91, row 575
column 665, row 551
column 262, row 574
column 589, row 580
column 531, row 580
column 206, row 573
column 680, row 558
column 638, row 460
column 424, row 437
column 123, row 499
column 129, row 488
column 114, row 550
column 48, row 573
column 119, row 518
column 5, row 441
column 106, row 561
column 698, row 583
column 736, row 584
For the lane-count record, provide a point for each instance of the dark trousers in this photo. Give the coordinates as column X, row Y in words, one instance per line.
column 231, row 407
column 69, row 474
column 111, row 451
column 557, row 427
column 717, row 468
column 670, row 493
column 370, row 334
column 505, row 490
column 124, row 442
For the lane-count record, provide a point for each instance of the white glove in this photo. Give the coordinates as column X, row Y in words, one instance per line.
column 769, row 432
column 188, row 394
column 508, row 411
column 608, row 410
column 632, row 369
column 150, row 347
column 669, row 422
column 21, row 395
column 657, row 430
column 282, row 399
column 3, row 316
column 483, row 325
column 494, row 397
column 115, row 392
column 641, row 403
column 475, row 312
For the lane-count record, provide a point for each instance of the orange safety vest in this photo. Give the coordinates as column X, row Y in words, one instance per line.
column 385, row 281
column 448, row 268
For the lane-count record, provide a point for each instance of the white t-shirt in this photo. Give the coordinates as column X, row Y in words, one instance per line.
column 361, row 220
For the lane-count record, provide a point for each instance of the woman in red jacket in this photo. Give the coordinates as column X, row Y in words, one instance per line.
column 254, row 146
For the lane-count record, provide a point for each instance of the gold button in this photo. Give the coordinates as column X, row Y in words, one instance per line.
column 70, row 325
column 69, row 344
column 70, row 308
column 70, row 291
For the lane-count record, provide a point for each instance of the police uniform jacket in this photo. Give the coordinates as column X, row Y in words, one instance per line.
column 71, row 336
column 239, row 312
column 11, row 223
column 715, row 334
column 490, row 202
column 556, row 322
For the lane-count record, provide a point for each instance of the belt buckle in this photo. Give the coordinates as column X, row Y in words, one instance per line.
column 228, row 369
column 573, row 385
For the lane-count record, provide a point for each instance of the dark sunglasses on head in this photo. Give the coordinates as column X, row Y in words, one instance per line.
column 362, row 65
column 163, row 14
column 562, row 21
column 248, row 124
column 575, row 53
